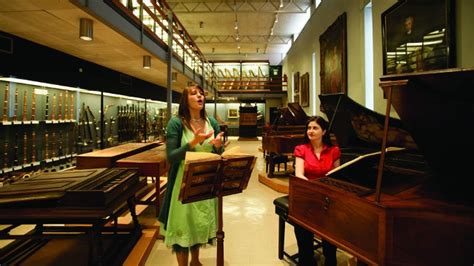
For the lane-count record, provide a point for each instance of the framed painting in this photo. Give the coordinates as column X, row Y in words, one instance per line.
column 296, row 90
column 305, row 90
column 232, row 113
column 334, row 57
column 417, row 36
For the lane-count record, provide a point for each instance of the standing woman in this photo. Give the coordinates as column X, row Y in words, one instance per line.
column 313, row 160
column 186, row 227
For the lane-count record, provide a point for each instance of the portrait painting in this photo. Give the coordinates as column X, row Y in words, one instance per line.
column 232, row 113
column 333, row 57
column 305, row 90
column 417, row 38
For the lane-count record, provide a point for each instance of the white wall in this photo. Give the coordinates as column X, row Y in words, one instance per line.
column 299, row 58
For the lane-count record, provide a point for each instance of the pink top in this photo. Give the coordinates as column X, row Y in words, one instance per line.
column 314, row 167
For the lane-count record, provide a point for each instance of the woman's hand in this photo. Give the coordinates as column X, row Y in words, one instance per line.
column 200, row 136
column 217, row 141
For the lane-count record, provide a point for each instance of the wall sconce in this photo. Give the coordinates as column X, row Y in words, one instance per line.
column 146, row 62
column 174, row 76
column 85, row 29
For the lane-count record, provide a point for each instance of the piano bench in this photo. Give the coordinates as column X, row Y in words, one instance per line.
column 281, row 209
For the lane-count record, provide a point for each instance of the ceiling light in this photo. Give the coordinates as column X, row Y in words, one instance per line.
column 281, row 3
column 276, row 19
column 146, row 62
column 236, row 25
column 201, row 24
column 174, row 76
column 85, row 29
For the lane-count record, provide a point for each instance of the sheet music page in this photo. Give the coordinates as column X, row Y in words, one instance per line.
column 388, row 149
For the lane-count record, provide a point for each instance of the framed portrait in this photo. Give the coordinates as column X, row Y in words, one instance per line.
column 305, row 90
column 418, row 35
column 232, row 113
column 334, row 57
column 296, row 91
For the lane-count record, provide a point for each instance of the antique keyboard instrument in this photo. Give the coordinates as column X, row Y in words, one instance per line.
column 412, row 207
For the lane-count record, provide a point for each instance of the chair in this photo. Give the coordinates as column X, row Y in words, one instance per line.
column 281, row 209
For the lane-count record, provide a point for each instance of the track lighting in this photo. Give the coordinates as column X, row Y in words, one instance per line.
column 86, row 29
column 146, row 62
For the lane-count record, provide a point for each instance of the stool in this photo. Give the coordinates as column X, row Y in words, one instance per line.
column 273, row 159
column 281, row 208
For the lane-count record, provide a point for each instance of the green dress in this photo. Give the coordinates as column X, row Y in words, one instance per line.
column 192, row 223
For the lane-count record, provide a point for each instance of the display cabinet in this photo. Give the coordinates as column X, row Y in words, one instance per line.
column 43, row 125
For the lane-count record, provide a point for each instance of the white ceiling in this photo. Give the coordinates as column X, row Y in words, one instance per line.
column 55, row 23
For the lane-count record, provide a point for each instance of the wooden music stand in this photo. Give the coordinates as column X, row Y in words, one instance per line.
column 206, row 179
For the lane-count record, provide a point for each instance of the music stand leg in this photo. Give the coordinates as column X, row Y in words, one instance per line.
column 220, row 233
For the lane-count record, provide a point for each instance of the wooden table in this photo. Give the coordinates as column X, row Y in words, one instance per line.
column 108, row 157
column 150, row 163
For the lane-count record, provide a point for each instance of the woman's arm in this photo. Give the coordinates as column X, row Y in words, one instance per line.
column 174, row 151
column 299, row 168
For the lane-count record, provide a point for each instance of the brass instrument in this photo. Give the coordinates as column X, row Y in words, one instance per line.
column 25, row 106
column 33, row 106
column 5, row 102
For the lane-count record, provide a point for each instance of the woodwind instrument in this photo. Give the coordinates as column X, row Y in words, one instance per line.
column 25, row 106
column 66, row 109
column 53, row 144
column 25, row 148
column 71, row 110
column 33, row 106
column 33, row 147
column 5, row 102
column 53, row 107
column 15, row 108
column 15, row 150
column 5, row 154
column 46, row 145
column 60, row 106
column 46, row 108
column 60, row 144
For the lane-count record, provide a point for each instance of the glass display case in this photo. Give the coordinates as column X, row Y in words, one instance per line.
column 47, row 124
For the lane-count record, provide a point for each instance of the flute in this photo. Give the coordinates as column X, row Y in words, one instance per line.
column 25, row 148
column 5, row 102
column 33, row 106
column 53, row 107
column 66, row 109
column 25, row 105
column 16, row 106
column 71, row 111
column 5, row 154
column 60, row 106
column 53, row 144
column 46, row 145
column 33, row 147
column 46, row 108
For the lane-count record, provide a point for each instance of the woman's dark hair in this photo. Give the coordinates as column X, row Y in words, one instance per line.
column 324, row 126
column 183, row 110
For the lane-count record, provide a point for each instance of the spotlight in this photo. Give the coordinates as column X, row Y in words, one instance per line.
column 85, row 29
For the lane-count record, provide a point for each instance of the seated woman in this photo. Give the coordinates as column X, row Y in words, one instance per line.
column 313, row 160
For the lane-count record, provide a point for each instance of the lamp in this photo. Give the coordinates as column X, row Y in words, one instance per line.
column 85, row 29
column 174, row 76
column 146, row 62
